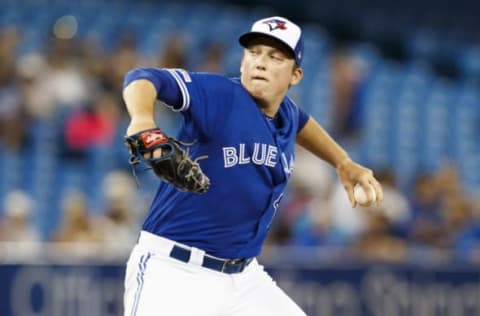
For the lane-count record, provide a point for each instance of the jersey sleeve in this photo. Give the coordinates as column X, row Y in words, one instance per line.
column 170, row 89
column 200, row 97
column 302, row 118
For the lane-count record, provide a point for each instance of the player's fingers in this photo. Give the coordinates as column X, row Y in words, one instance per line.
column 157, row 153
column 351, row 196
column 378, row 191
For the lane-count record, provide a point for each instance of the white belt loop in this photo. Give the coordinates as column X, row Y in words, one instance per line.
column 196, row 256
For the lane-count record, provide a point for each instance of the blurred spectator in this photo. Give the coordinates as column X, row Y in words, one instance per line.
column 76, row 226
column 94, row 62
column 9, row 38
column 32, row 70
column 280, row 234
column 123, row 58
column 456, row 216
column 94, row 125
column 16, row 225
column 213, row 58
column 467, row 242
column 348, row 78
column 13, row 116
column 443, row 219
column 118, row 226
column 377, row 242
column 447, row 181
column 65, row 83
column 314, row 226
column 461, row 229
column 174, row 53
column 426, row 220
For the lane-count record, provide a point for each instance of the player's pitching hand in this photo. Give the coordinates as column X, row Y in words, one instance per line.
column 141, row 124
column 351, row 173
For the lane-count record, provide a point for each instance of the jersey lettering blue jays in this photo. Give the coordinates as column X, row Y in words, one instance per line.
column 250, row 159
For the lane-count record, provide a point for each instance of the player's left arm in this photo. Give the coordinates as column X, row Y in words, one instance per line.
column 316, row 140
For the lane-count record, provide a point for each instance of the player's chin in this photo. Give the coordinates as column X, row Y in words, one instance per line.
column 257, row 91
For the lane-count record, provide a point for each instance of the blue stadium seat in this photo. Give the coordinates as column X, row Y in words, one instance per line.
column 468, row 62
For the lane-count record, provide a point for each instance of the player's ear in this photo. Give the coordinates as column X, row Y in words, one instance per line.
column 297, row 75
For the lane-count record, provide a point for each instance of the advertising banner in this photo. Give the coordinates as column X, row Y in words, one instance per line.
column 96, row 290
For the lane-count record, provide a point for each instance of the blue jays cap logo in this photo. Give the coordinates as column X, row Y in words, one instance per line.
column 276, row 24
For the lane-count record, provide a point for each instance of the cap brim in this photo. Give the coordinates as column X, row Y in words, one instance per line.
column 247, row 37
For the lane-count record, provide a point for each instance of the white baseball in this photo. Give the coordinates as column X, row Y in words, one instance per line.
column 361, row 196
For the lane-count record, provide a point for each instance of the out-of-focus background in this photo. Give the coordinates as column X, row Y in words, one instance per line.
column 397, row 84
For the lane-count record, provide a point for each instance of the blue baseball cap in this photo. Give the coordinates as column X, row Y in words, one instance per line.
column 281, row 29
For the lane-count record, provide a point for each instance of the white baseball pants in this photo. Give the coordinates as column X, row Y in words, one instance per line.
column 158, row 285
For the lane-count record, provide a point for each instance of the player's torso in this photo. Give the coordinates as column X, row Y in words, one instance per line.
column 250, row 158
column 249, row 162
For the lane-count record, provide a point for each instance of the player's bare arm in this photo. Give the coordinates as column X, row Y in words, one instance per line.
column 139, row 97
column 316, row 140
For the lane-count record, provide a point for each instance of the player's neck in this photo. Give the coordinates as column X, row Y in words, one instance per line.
column 268, row 109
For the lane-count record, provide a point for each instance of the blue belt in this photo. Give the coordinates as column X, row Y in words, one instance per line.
column 228, row 266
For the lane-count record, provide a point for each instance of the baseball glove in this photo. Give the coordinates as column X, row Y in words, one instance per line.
column 174, row 166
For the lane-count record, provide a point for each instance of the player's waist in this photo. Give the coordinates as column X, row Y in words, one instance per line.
column 191, row 255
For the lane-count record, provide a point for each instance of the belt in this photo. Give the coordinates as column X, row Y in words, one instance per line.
column 228, row 266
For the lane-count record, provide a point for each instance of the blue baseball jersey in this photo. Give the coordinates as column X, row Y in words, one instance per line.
column 250, row 159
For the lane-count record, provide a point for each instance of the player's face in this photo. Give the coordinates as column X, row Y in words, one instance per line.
column 268, row 70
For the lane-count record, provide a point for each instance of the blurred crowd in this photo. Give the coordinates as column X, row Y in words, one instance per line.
column 433, row 220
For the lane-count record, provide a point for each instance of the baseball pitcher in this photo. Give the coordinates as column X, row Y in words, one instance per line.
column 222, row 178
